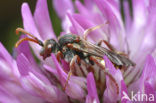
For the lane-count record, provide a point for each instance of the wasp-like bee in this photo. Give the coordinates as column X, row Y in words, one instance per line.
column 73, row 49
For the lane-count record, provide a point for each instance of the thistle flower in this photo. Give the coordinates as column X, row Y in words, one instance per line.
column 23, row 80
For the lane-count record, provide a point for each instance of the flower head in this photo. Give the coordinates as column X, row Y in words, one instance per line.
column 23, row 80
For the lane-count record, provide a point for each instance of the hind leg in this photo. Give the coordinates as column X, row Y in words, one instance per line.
column 102, row 66
column 111, row 47
column 87, row 31
column 107, row 44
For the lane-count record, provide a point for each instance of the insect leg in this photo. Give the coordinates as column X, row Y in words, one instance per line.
column 111, row 47
column 105, row 71
column 59, row 55
column 75, row 59
column 87, row 31
column 36, row 40
column 72, row 46
column 25, row 32
column 107, row 44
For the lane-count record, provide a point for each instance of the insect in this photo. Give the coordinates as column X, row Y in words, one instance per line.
column 73, row 48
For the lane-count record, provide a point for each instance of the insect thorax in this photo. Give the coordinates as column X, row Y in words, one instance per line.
column 65, row 39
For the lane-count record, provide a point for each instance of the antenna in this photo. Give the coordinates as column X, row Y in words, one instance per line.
column 33, row 39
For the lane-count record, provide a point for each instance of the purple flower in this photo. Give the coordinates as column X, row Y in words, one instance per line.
column 23, row 80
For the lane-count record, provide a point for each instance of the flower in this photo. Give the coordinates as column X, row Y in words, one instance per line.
column 23, row 80
column 136, row 36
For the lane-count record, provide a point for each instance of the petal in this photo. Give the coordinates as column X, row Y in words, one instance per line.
column 22, row 63
column 124, row 93
column 5, row 55
column 74, row 88
column 81, row 8
column 109, row 65
column 148, row 74
column 147, row 46
column 136, row 35
column 30, row 26
column 52, row 70
column 7, row 98
column 115, row 3
column 62, row 6
column 110, row 93
column 25, row 67
column 115, row 21
column 128, row 17
column 42, row 20
column 149, row 68
column 149, row 90
column 5, row 70
column 7, row 63
column 92, row 96
column 94, row 17
column 80, row 24
column 154, row 54
column 152, row 6
column 28, row 21
column 139, row 8
column 88, row 18
column 48, row 92
column 65, row 65
column 89, row 4
column 66, row 24
column 76, row 28
column 25, row 49
column 84, row 22
column 146, row 43
column 12, row 92
column 110, row 12
column 77, row 80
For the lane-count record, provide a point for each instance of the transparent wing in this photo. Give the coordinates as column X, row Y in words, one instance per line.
column 95, row 50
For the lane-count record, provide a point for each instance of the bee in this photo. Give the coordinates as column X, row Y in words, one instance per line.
column 73, row 49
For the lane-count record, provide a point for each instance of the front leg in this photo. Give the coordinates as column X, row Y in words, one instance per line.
column 75, row 59
column 59, row 56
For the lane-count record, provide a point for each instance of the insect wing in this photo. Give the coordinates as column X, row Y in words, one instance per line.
column 95, row 50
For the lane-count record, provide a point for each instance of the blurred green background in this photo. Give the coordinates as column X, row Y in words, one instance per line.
column 10, row 19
